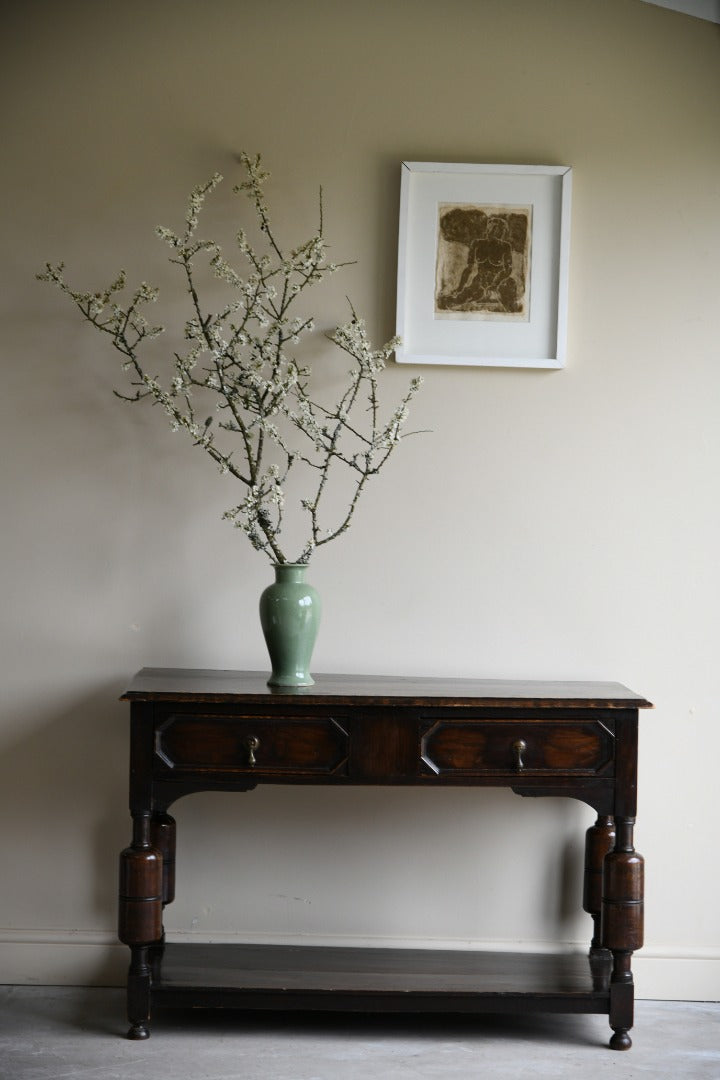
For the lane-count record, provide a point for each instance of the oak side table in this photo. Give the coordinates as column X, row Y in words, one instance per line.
column 196, row 730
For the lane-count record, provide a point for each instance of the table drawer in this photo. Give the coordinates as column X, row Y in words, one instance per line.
column 475, row 748
column 250, row 745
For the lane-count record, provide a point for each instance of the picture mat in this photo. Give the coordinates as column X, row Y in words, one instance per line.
column 430, row 340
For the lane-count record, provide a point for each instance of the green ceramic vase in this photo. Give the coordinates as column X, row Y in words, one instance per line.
column 290, row 617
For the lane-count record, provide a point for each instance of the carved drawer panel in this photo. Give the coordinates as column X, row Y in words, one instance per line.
column 262, row 745
column 474, row 748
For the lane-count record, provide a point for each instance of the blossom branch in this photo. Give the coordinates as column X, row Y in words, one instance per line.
column 236, row 356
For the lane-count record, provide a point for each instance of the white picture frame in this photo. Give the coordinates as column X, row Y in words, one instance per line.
column 483, row 264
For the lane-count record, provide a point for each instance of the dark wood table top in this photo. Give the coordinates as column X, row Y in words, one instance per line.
column 197, row 684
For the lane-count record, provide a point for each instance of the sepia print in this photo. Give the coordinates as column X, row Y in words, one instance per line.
column 483, row 262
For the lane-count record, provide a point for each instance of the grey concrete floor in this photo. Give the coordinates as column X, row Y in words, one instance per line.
column 58, row 1033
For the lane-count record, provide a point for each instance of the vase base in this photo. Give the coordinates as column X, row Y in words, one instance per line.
column 291, row 680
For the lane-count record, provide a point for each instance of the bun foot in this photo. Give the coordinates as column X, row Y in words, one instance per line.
column 620, row 1040
column 139, row 1031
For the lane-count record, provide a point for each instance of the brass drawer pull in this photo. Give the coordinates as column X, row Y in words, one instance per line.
column 252, row 742
column 519, row 748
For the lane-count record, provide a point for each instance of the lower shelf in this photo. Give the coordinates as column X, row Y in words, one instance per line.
column 377, row 980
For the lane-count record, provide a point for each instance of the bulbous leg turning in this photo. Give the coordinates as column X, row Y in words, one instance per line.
column 140, row 919
column 139, row 1031
column 622, row 927
column 620, row 1040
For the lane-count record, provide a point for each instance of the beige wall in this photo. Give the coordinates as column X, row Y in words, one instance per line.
column 553, row 525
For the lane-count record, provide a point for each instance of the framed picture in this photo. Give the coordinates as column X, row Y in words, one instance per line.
column 483, row 264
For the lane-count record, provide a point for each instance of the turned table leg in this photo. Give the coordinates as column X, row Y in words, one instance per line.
column 140, row 919
column 599, row 840
column 162, row 838
column 622, row 926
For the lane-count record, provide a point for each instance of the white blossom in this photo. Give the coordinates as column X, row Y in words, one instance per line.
column 238, row 389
